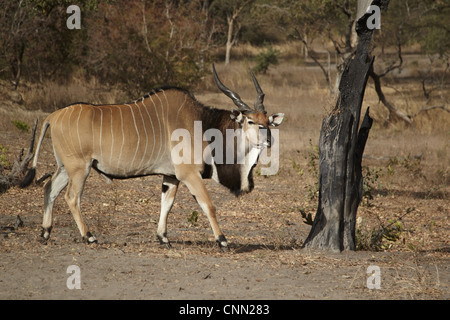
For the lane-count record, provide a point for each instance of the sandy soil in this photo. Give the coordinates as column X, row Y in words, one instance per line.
column 264, row 228
column 408, row 180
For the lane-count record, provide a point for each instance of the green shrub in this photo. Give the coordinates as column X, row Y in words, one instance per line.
column 265, row 59
column 22, row 126
column 3, row 160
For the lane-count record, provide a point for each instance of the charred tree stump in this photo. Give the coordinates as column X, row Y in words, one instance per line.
column 341, row 146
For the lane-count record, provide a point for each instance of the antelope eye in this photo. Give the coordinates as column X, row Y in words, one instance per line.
column 250, row 122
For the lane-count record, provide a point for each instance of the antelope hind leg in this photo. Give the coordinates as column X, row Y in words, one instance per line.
column 169, row 190
column 53, row 188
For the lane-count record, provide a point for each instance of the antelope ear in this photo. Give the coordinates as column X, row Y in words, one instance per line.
column 237, row 116
column 276, row 119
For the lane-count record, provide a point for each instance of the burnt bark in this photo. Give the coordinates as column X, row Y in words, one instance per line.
column 341, row 146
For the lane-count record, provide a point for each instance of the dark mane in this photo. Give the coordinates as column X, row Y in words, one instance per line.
column 229, row 174
column 152, row 92
column 216, row 118
column 165, row 88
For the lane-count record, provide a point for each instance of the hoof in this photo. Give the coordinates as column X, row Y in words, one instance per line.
column 45, row 234
column 223, row 244
column 89, row 238
column 164, row 242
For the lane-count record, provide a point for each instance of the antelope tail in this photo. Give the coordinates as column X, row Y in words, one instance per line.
column 29, row 177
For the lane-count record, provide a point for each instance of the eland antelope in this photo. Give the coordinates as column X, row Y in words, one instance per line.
column 135, row 139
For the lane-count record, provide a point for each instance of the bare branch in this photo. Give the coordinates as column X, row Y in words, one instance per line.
column 430, row 108
column 145, row 31
column 393, row 65
column 313, row 55
column 392, row 109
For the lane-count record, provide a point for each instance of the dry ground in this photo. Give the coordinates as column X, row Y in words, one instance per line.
column 409, row 184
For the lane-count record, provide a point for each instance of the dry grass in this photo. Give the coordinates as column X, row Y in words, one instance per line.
column 264, row 227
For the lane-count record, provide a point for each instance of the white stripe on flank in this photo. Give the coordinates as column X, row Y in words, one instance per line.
column 123, row 137
column 78, row 131
column 153, row 130
column 70, row 131
column 166, row 127
column 138, row 136
column 182, row 105
column 112, row 137
column 159, row 122
column 162, row 118
column 62, row 123
column 162, row 128
column 92, row 129
column 146, row 136
column 101, row 135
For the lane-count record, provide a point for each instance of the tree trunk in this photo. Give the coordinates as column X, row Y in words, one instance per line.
column 341, row 146
column 229, row 43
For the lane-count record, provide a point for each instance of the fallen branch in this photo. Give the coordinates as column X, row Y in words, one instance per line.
column 9, row 229
column 44, row 177
column 20, row 166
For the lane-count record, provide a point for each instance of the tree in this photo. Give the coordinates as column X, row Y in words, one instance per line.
column 341, row 147
column 35, row 42
column 150, row 43
column 154, row 43
column 410, row 22
column 311, row 19
column 233, row 10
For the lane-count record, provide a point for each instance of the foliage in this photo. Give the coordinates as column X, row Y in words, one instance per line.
column 307, row 218
column 139, row 44
column 417, row 21
column 370, row 180
column 193, row 218
column 154, row 43
column 297, row 167
column 265, row 59
column 379, row 239
column 22, row 126
column 412, row 164
column 383, row 236
column 313, row 169
column 3, row 159
column 254, row 21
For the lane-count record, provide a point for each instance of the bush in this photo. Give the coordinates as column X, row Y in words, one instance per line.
column 22, row 126
column 265, row 59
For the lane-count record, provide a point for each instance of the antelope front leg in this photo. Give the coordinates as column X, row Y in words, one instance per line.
column 195, row 185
